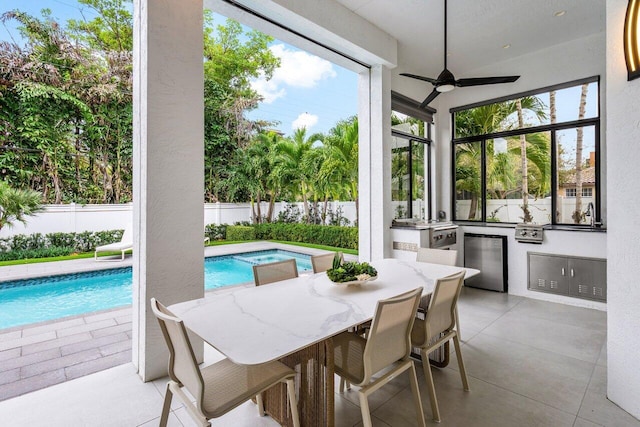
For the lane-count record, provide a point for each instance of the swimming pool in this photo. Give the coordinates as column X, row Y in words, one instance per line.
column 53, row 297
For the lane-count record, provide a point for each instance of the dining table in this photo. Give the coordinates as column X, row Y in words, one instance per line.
column 293, row 321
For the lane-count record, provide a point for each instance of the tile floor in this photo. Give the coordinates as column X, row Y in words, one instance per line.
column 530, row 363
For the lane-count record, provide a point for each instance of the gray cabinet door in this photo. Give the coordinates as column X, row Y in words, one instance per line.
column 548, row 273
column 582, row 280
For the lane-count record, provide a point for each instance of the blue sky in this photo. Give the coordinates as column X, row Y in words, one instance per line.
column 306, row 91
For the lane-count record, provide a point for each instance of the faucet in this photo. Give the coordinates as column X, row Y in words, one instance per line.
column 591, row 214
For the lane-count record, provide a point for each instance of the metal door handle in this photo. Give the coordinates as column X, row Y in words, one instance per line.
column 563, row 271
column 572, row 273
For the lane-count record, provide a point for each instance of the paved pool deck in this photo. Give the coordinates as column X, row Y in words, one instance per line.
column 40, row 355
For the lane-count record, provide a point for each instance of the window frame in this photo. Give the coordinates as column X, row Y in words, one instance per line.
column 551, row 128
column 426, row 141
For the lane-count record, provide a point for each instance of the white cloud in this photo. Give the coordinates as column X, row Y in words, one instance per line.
column 304, row 120
column 297, row 69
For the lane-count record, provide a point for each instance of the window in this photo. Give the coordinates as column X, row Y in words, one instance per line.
column 410, row 160
column 571, row 192
column 532, row 157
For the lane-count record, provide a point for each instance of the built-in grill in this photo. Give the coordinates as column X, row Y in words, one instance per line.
column 529, row 233
column 411, row 234
column 443, row 236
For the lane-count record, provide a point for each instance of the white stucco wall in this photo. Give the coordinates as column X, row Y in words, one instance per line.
column 623, row 270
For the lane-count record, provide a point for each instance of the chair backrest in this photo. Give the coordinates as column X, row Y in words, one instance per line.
column 440, row 315
column 323, row 262
column 127, row 235
column 390, row 334
column 183, row 367
column 437, row 256
column 275, row 271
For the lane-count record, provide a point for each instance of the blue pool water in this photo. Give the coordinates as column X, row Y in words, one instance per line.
column 47, row 298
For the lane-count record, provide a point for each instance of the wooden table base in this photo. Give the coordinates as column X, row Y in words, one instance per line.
column 314, row 388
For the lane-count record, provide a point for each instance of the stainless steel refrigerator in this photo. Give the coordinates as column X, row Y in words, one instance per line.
column 487, row 253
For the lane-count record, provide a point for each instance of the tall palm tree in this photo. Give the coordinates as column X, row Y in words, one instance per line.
column 252, row 172
column 289, row 156
column 342, row 161
column 577, row 213
column 489, row 119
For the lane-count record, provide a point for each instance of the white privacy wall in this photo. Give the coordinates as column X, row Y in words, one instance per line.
column 623, row 269
column 78, row 218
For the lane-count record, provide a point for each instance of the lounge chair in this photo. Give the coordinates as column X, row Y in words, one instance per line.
column 125, row 244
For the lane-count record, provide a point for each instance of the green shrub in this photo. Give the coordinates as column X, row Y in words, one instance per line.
column 216, row 232
column 240, row 232
column 341, row 237
column 52, row 251
column 79, row 242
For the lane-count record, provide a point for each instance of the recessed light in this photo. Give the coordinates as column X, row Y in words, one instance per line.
column 506, row 46
column 560, row 13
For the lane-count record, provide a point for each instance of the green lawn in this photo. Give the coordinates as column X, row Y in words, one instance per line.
column 214, row 243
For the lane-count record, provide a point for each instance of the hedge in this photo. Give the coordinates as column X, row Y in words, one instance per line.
column 216, row 232
column 78, row 242
column 52, row 251
column 240, row 232
column 328, row 235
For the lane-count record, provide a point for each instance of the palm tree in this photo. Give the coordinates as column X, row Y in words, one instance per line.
column 253, row 172
column 577, row 213
column 341, row 164
column 289, row 156
column 494, row 118
column 16, row 204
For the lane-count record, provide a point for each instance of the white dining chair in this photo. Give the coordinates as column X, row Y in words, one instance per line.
column 438, row 256
column 217, row 388
column 324, row 262
column 264, row 274
column 358, row 359
column 437, row 328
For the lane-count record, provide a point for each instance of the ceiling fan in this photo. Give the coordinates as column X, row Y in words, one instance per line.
column 446, row 82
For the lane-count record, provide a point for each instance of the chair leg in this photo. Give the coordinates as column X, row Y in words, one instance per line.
column 428, row 377
column 364, row 408
column 463, row 372
column 166, row 407
column 344, row 385
column 416, row 395
column 260, row 404
column 293, row 402
column 457, row 320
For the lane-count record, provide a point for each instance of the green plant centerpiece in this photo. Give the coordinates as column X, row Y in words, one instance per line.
column 351, row 271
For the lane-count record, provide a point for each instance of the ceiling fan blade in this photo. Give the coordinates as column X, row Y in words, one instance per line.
column 429, row 98
column 486, row 81
column 424, row 79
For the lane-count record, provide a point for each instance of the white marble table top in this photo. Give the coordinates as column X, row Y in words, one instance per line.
column 256, row 325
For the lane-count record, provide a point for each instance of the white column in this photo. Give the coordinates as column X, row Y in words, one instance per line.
column 623, row 249
column 374, row 166
column 168, row 261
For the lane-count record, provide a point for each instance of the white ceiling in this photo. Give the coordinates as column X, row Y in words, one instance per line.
column 478, row 29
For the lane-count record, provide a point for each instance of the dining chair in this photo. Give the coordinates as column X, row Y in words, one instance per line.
column 437, row 256
column 275, row 271
column 437, row 328
column 358, row 359
column 217, row 388
column 324, row 262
